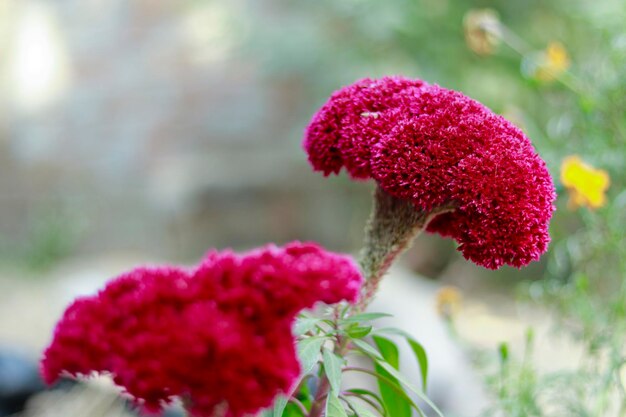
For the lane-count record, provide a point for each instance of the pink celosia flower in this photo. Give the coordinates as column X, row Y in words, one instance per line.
column 437, row 147
column 217, row 336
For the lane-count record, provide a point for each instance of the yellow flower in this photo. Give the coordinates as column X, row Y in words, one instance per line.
column 482, row 30
column 586, row 185
column 552, row 62
column 448, row 301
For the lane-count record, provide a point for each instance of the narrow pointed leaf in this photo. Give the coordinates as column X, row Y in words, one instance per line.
column 358, row 332
column 395, row 404
column 304, row 325
column 389, row 381
column 334, row 407
column 361, row 410
column 422, row 359
column 416, row 347
column 279, row 406
column 309, row 352
column 367, row 393
column 332, row 368
column 364, row 392
column 357, row 318
column 367, row 349
column 503, row 351
column 399, row 377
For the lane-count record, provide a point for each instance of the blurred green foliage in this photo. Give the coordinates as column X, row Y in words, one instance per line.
column 52, row 235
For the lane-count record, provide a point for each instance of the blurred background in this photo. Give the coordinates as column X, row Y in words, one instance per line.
column 143, row 131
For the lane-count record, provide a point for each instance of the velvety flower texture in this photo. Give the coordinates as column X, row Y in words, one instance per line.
column 218, row 336
column 437, row 147
column 341, row 133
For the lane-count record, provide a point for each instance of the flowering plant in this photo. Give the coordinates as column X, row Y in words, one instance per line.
column 221, row 336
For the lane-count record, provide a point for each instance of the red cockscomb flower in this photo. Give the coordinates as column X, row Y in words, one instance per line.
column 344, row 129
column 440, row 148
column 218, row 336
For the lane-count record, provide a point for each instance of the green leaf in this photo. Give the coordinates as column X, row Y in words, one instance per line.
column 367, row 393
column 361, row 410
column 364, row 392
column 304, row 325
column 389, row 350
column 309, row 352
column 416, row 347
column 334, row 407
column 279, row 406
column 398, row 376
column 393, row 384
column 332, row 368
column 530, row 337
column 395, row 404
column 422, row 359
column 367, row 349
column 358, row 332
column 358, row 318
column 304, row 393
column 503, row 351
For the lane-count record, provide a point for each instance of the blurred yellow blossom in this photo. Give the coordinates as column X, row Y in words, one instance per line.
column 586, row 185
column 482, row 28
column 448, row 301
column 552, row 62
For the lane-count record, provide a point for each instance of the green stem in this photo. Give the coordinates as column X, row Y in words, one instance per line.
column 317, row 408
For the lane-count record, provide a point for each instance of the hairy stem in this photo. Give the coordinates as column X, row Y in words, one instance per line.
column 390, row 230
column 392, row 226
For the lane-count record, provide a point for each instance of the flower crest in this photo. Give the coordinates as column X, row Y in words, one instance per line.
column 436, row 147
column 218, row 336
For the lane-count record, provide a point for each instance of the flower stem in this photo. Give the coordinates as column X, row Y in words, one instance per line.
column 392, row 226
column 390, row 230
column 317, row 408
